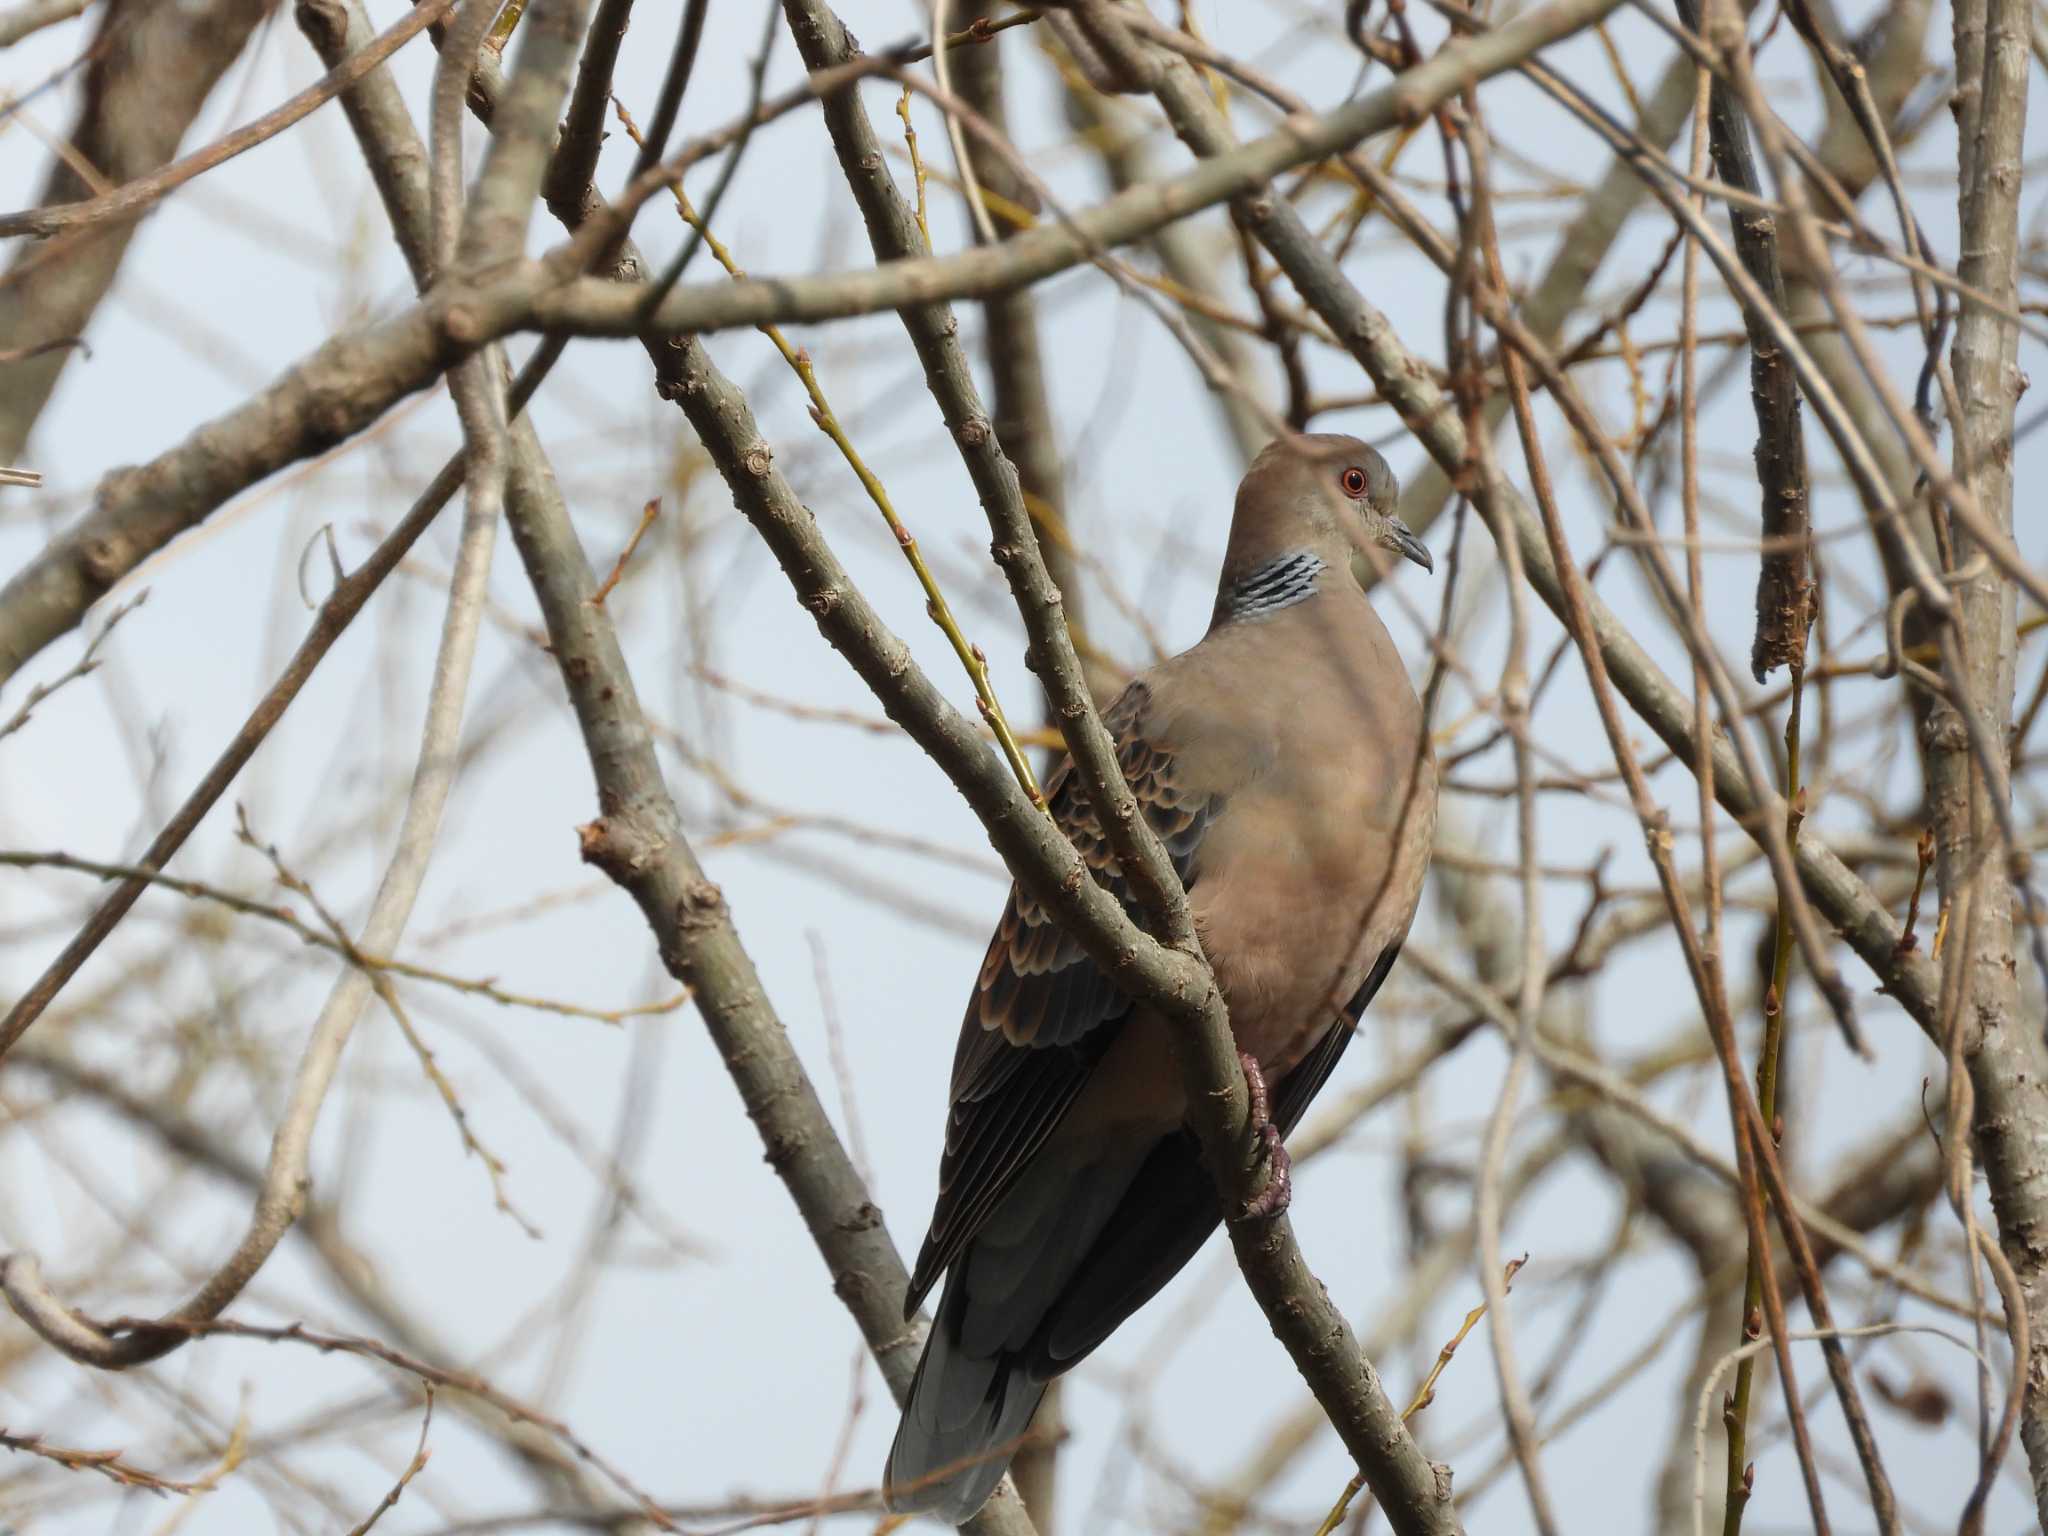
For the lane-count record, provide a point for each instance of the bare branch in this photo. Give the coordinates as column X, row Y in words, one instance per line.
column 135, row 196
column 151, row 69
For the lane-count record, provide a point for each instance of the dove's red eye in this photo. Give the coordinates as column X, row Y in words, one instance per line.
column 1353, row 481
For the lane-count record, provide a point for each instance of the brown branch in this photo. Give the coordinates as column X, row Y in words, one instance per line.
column 351, row 1270
column 329, row 623
column 1858, row 457
column 107, row 1464
column 1996, row 1040
column 1704, row 967
column 1782, row 606
column 135, row 196
column 1406, row 383
column 83, row 667
column 1339, row 305
column 151, row 68
column 346, row 384
column 33, row 15
column 1175, row 977
column 648, row 514
column 638, row 841
column 412, row 1470
column 1282, row 230
column 1581, row 248
column 426, row 1371
column 483, row 987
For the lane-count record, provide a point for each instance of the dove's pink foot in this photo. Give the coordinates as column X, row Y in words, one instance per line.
column 1273, row 1199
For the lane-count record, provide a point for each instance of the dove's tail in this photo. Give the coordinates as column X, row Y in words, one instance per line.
column 961, row 1425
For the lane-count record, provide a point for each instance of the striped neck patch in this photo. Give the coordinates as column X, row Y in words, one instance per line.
column 1280, row 583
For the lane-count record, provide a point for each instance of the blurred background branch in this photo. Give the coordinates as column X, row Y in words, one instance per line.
column 1403, row 222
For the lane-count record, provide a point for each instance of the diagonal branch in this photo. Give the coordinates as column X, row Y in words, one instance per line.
column 135, row 197
column 153, row 67
column 480, row 399
column 1414, row 1492
column 283, row 1195
column 344, row 385
column 1847, row 903
column 1781, row 594
column 639, row 841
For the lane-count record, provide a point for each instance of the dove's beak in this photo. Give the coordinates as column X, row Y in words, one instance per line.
column 1408, row 546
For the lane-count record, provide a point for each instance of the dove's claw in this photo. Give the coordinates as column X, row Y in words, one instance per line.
column 1273, row 1199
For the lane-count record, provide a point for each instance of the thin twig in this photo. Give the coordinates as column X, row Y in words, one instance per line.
column 412, row 1470
column 648, row 514
column 134, row 196
column 80, row 668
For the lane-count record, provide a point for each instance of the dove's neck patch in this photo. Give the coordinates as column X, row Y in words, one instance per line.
column 1280, row 583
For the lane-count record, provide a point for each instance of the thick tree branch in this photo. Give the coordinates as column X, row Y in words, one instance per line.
column 153, row 66
column 347, row 383
column 2000, row 1043
column 638, row 840
column 1414, row 1493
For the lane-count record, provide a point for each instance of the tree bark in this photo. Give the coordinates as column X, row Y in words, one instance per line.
column 153, row 66
column 2007, row 1063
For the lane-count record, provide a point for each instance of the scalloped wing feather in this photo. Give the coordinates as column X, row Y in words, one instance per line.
column 1043, row 1013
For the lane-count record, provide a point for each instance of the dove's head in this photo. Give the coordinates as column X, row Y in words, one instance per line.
column 1328, row 495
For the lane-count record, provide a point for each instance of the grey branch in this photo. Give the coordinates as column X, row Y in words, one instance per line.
column 152, row 69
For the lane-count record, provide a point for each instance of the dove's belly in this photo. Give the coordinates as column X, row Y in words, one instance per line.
column 1294, row 922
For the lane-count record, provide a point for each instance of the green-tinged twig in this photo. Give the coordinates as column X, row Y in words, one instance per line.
column 502, row 29
column 971, row 655
column 1424, row 1396
column 924, row 226
column 972, row 658
column 1735, row 1412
